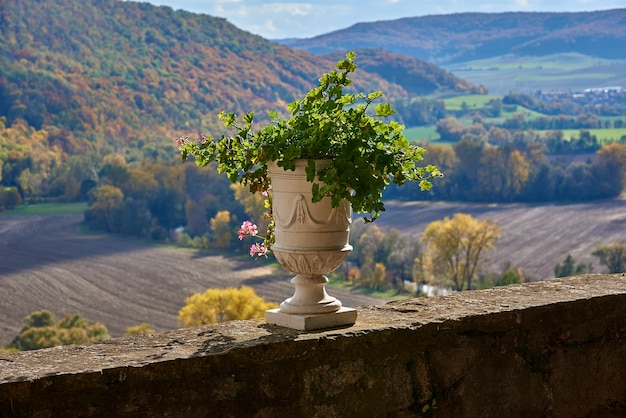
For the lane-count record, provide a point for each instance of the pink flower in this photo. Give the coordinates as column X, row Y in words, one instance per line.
column 266, row 192
column 179, row 141
column 201, row 139
column 258, row 250
column 247, row 228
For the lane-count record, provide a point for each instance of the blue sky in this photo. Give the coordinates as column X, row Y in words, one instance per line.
column 274, row 19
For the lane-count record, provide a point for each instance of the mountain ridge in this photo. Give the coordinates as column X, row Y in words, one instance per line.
column 444, row 39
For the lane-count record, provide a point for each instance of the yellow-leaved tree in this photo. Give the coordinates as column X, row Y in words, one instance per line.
column 143, row 328
column 455, row 248
column 253, row 203
column 219, row 305
column 104, row 205
column 42, row 330
column 220, row 225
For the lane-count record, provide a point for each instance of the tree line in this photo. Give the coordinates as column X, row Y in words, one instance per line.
column 498, row 165
column 612, row 256
column 612, row 104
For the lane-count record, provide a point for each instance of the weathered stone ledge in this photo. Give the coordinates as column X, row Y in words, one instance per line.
column 551, row 348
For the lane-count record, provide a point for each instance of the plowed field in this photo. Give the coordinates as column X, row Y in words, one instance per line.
column 46, row 263
column 534, row 237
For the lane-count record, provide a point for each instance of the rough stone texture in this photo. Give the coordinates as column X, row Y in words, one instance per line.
column 546, row 349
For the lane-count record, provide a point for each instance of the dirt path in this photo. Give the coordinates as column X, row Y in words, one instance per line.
column 45, row 263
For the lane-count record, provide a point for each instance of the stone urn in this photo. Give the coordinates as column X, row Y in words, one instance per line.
column 311, row 241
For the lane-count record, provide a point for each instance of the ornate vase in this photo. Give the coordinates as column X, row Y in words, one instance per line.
column 311, row 241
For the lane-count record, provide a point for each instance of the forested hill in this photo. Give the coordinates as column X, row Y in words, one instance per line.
column 416, row 76
column 459, row 37
column 110, row 72
column 114, row 70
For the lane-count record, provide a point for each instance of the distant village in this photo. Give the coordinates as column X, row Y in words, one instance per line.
column 612, row 96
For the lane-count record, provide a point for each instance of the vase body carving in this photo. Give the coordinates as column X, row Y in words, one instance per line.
column 312, row 239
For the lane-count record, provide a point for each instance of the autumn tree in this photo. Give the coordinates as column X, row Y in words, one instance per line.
column 369, row 244
column 612, row 158
column 450, row 130
column 104, row 205
column 467, row 154
column 9, row 198
column 499, row 136
column 143, row 328
column 140, row 184
column 197, row 222
column 455, row 248
column 375, row 277
column 222, row 229
column 219, row 305
column 370, row 256
column 613, row 256
column 253, row 203
column 502, row 173
column 114, row 170
column 441, row 156
column 381, row 259
column 41, row 330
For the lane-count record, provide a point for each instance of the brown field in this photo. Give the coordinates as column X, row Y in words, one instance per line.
column 45, row 263
column 534, row 237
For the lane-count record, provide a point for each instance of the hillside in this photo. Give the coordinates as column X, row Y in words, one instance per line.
column 445, row 39
column 418, row 77
column 125, row 74
column 127, row 71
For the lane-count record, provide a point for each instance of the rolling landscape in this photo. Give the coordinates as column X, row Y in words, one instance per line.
column 47, row 263
column 93, row 92
column 521, row 51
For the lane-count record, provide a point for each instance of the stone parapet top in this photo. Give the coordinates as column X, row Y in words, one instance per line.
column 138, row 351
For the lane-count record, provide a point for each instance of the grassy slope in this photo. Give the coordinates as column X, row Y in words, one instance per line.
column 603, row 135
column 47, row 209
column 525, row 74
column 507, row 73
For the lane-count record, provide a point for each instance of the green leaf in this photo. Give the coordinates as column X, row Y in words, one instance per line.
column 249, row 117
column 384, row 110
column 374, row 95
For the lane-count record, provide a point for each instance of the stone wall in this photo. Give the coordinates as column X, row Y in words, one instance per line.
column 547, row 349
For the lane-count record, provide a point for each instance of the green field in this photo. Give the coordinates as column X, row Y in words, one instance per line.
column 473, row 101
column 422, row 133
column 429, row 134
column 604, row 136
column 561, row 62
column 525, row 74
column 47, row 209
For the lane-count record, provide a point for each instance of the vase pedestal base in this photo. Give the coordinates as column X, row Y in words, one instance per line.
column 309, row 322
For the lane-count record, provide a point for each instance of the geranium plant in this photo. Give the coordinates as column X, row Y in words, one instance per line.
column 366, row 152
